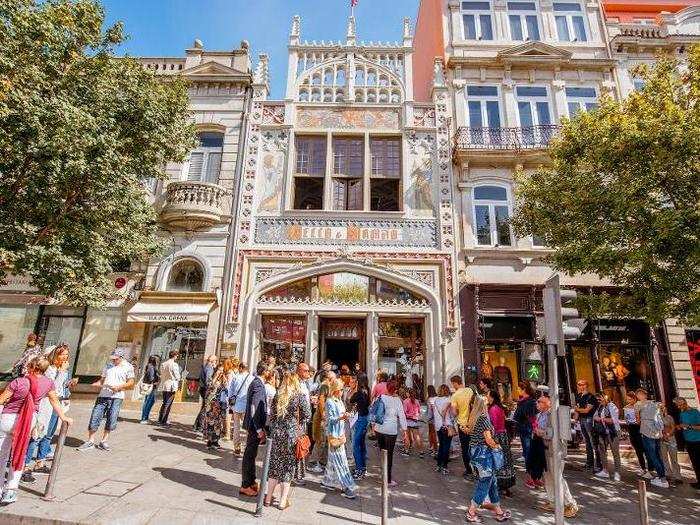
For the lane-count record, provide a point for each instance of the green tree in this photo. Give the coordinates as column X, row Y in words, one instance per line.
column 621, row 198
column 81, row 130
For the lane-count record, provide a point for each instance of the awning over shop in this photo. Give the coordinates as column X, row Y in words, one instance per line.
column 172, row 307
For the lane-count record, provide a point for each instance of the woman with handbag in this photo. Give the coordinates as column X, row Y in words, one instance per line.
column 337, row 469
column 147, row 387
column 444, row 422
column 486, row 459
column 216, row 407
column 290, row 411
column 505, row 476
column 20, row 402
column 393, row 420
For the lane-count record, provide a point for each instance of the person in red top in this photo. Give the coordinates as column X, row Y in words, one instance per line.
column 20, row 402
column 411, row 407
column 380, row 386
column 497, row 414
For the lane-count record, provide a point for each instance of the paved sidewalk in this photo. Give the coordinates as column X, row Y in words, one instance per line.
column 164, row 476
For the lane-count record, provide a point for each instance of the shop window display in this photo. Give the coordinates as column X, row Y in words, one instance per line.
column 501, row 362
column 583, row 364
column 284, row 337
column 401, row 351
column 624, row 368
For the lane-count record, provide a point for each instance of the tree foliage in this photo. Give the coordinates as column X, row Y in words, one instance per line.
column 621, row 198
column 80, row 132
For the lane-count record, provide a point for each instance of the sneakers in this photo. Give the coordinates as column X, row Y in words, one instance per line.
column 104, row 446
column 616, row 477
column 349, row 494
column 602, row 474
column 660, row 482
column 10, row 496
column 405, row 453
column 646, row 475
column 443, row 471
column 359, row 474
column 143, row 422
column 315, row 469
column 327, row 487
column 88, row 445
column 570, row 511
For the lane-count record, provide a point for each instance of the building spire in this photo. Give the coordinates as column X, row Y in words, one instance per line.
column 407, row 37
column 350, row 37
column 295, row 31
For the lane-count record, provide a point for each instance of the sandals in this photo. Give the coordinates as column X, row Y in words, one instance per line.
column 503, row 516
column 472, row 518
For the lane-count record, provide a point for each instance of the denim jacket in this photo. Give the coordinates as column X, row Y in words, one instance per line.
column 335, row 427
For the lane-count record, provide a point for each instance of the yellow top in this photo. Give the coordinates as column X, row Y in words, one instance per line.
column 460, row 402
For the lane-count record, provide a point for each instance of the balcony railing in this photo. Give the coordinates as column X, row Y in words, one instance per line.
column 192, row 205
column 532, row 137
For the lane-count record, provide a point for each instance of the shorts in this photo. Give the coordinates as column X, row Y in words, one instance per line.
column 107, row 408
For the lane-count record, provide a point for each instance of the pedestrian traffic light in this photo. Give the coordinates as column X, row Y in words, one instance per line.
column 558, row 309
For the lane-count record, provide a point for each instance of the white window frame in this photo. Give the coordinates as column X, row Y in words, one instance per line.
column 533, row 99
column 492, row 204
column 207, row 152
column 569, row 16
column 476, row 13
column 581, row 101
column 522, row 14
column 483, row 99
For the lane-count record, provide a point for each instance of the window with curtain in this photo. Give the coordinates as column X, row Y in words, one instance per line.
column 205, row 160
column 492, row 216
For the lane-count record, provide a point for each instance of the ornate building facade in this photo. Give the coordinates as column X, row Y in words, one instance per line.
column 345, row 233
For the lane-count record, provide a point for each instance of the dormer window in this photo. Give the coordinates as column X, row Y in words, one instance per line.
column 523, row 20
column 476, row 21
column 569, row 18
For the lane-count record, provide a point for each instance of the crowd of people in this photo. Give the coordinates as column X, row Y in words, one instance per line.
column 317, row 421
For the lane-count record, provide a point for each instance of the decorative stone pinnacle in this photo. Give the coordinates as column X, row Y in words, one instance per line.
column 296, row 26
column 262, row 73
column 351, row 32
column 406, row 28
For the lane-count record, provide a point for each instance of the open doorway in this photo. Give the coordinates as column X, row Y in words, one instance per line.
column 343, row 342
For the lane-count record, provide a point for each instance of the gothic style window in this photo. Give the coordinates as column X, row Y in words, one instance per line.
column 476, row 21
column 385, row 177
column 524, row 21
column 205, row 160
column 571, row 26
column 310, row 169
column 186, row 276
column 491, row 216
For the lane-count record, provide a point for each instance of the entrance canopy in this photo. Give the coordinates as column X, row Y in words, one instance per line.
column 168, row 307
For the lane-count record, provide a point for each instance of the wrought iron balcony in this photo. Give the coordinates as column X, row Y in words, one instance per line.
column 193, row 205
column 527, row 138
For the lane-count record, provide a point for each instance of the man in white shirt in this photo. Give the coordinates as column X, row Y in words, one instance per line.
column 170, row 376
column 117, row 377
column 238, row 398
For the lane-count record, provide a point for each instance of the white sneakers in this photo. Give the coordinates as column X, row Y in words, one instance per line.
column 660, row 482
column 647, row 475
column 602, row 474
column 617, row 477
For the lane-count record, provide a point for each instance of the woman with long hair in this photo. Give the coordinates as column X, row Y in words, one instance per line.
column 151, row 377
column 432, row 432
column 483, row 450
column 216, row 408
column 525, row 414
column 505, row 476
column 58, row 372
column 230, row 368
column 337, row 469
column 388, row 430
column 630, row 421
column 20, row 402
column 290, row 411
column 319, row 454
column 444, row 423
column 360, row 403
column 411, row 407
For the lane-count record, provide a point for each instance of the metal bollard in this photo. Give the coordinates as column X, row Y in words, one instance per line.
column 263, row 479
column 385, row 487
column 643, row 503
column 48, row 491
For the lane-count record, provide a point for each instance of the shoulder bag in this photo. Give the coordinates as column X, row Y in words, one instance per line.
column 451, row 430
column 303, row 445
column 233, row 398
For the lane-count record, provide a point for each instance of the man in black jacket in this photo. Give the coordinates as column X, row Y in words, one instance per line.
column 254, row 422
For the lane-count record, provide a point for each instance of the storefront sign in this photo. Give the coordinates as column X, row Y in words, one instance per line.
column 412, row 233
column 170, row 318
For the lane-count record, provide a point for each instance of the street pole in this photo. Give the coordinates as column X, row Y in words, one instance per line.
column 643, row 503
column 556, row 452
column 48, row 491
column 263, row 479
column 385, row 487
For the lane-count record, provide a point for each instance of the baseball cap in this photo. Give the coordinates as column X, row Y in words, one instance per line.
column 118, row 352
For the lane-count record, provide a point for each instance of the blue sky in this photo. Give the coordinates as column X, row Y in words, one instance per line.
column 168, row 27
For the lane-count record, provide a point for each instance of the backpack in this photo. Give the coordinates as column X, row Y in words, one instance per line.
column 377, row 411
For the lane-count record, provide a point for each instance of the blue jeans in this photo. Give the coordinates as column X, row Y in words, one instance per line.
column 651, row 449
column 525, row 433
column 148, row 403
column 43, row 445
column 486, row 487
column 107, row 408
column 592, row 456
column 359, row 444
column 444, row 444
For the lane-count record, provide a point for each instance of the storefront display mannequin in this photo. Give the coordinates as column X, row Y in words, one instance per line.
column 504, row 380
column 486, row 368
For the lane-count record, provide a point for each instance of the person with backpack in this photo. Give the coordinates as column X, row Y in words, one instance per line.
column 238, row 397
column 20, row 402
column 651, row 427
column 389, row 417
column 606, row 426
column 444, row 423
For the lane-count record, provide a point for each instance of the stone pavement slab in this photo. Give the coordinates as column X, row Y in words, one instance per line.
column 156, row 475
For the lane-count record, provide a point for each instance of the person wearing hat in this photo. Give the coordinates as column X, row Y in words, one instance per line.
column 117, row 377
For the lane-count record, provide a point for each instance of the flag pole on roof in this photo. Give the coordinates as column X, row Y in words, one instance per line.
column 353, row 3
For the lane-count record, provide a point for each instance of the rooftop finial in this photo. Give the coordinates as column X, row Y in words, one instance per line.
column 351, row 33
column 295, row 31
column 407, row 36
column 198, row 44
column 262, row 72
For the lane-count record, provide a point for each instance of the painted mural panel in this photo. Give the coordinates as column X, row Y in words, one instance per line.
column 347, row 118
column 420, row 186
column 270, row 180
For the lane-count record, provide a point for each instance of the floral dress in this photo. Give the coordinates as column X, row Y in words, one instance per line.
column 215, row 415
column 284, row 432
